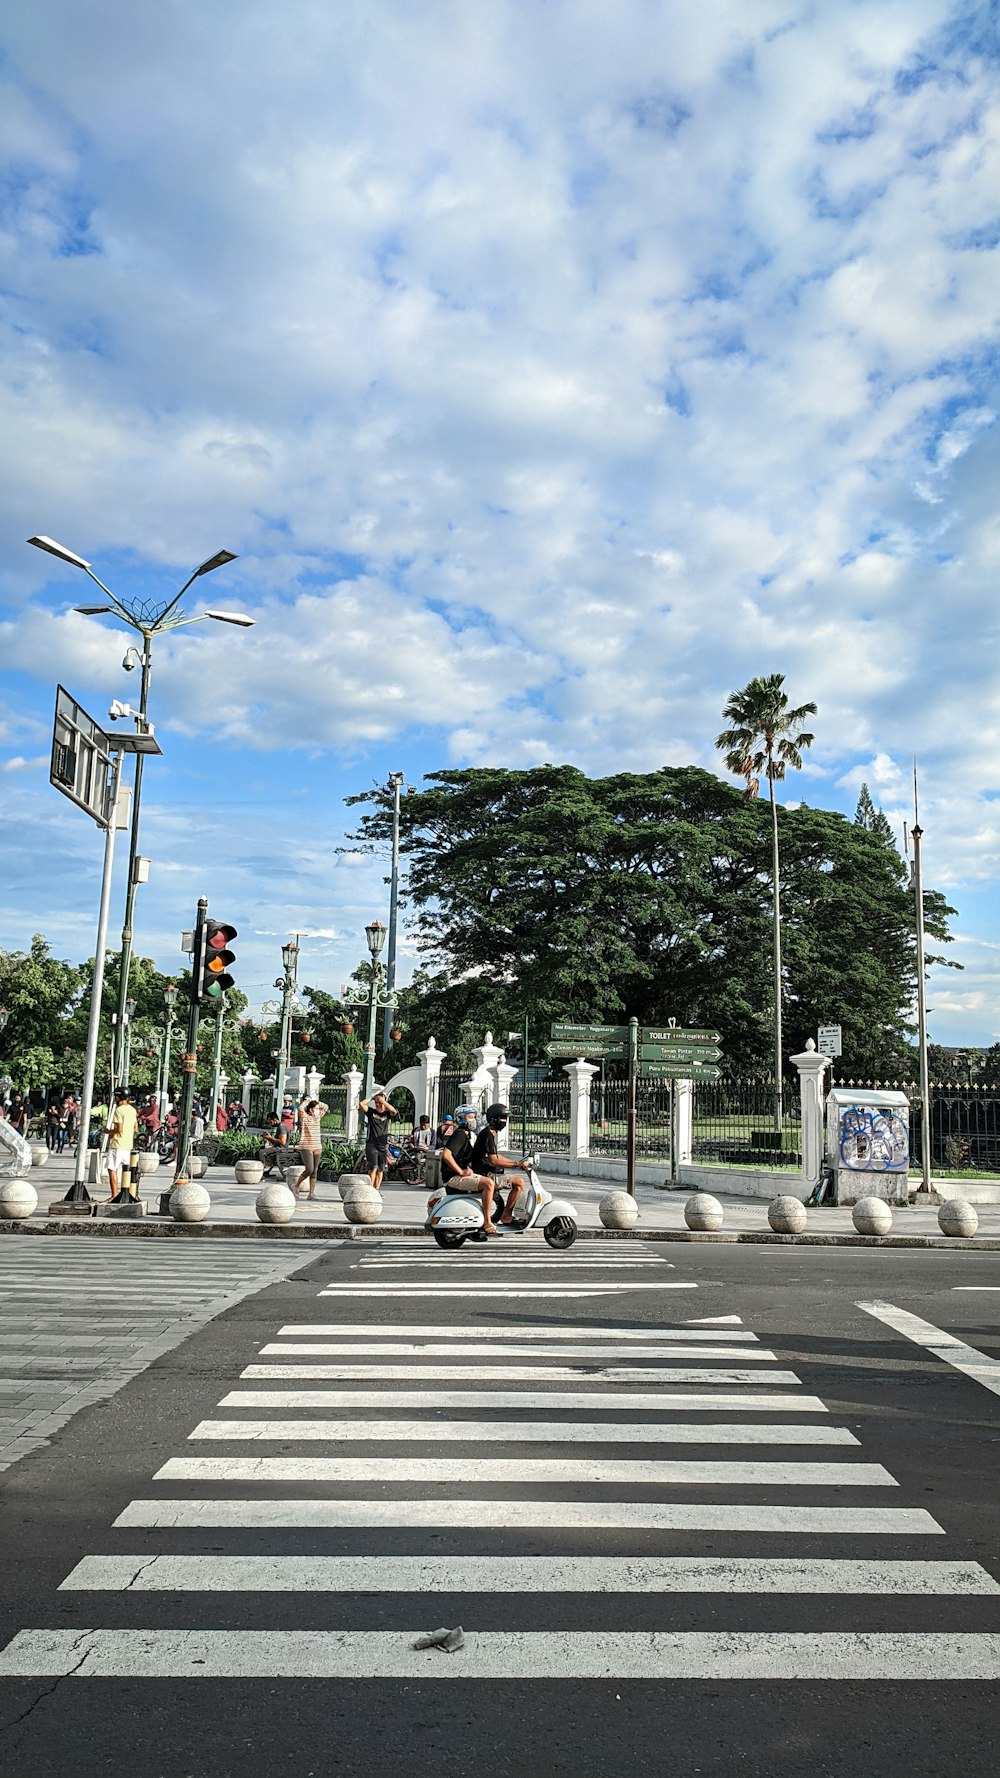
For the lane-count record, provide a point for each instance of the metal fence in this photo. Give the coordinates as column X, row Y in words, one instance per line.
column 261, row 1102
column 609, row 1118
column 733, row 1124
column 336, row 1117
column 542, row 1111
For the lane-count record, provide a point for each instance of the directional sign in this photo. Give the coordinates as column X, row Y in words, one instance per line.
column 564, row 1029
column 679, row 1052
column 591, row 1046
column 676, row 1034
column 679, row 1071
column 830, row 1040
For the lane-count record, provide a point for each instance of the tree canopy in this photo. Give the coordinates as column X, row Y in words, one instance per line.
column 648, row 894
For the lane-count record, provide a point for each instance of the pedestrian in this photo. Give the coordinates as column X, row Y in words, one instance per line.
column 52, row 1126
column 377, row 1111
column 71, row 1117
column 273, row 1144
column 422, row 1136
column 288, row 1114
column 121, row 1141
column 311, row 1115
column 17, row 1115
column 221, row 1118
column 237, row 1115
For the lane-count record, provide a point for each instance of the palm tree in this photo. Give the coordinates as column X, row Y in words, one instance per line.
column 766, row 736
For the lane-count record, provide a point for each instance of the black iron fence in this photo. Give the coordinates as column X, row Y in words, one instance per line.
column 609, row 1118
column 541, row 1111
column 733, row 1124
column 261, row 1102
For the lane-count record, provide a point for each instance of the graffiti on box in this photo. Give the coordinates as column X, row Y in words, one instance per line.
column 873, row 1141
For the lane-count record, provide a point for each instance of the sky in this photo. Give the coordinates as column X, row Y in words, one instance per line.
column 551, row 367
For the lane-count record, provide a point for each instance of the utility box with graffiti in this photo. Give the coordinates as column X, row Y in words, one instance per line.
column 868, row 1144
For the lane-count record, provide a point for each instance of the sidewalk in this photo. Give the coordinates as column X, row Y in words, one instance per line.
column 661, row 1213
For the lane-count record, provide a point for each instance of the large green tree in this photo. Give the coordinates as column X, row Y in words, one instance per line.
column 39, row 994
column 650, row 894
column 767, row 735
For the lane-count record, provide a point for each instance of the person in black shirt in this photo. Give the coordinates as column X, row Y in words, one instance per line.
column 457, row 1172
column 377, row 1111
column 487, row 1159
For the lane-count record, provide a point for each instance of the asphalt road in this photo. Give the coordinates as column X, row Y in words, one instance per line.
column 791, row 1570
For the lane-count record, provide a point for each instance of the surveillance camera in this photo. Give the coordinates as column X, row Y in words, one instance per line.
column 128, row 663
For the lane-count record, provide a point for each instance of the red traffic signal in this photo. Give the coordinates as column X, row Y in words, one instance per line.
column 216, row 959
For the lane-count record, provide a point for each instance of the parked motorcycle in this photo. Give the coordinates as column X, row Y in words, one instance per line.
column 456, row 1217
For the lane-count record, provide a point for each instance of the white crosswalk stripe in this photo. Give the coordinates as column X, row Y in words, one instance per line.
column 403, row 1459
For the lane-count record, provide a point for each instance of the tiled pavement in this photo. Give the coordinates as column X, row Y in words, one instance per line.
column 79, row 1318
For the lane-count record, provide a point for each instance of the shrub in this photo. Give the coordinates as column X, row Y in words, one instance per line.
column 336, row 1158
column 236, row 1145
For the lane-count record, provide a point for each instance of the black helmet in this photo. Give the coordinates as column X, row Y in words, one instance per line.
column 497, row 1116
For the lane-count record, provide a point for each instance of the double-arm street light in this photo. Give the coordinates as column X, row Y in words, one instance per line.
column 170, row 1002
column 379, row 997
column 287, row 982
column 149, row 617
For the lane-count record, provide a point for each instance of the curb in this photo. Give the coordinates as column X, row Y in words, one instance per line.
column 153, row 1229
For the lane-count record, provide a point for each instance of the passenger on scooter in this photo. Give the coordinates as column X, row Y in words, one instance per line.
column 457, row 1175
column 487, row 1160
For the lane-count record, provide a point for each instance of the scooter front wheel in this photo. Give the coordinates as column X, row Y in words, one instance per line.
column 449, row 1237
column 560, row 1232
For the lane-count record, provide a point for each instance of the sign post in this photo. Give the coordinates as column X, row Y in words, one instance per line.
column 633, row 1046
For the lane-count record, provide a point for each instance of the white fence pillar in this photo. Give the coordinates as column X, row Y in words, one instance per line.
column 430, row 1061
column 580, row 1076
column 354, row 1079
column 314, row 1080
column 812, row 1090
column 249, row 1082
column 683, row 1121
column 502, row 1075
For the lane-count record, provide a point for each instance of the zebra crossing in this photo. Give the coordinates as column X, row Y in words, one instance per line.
column 80, row 1318
column 543, row 1548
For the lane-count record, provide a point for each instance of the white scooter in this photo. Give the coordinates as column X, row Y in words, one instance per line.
column 456, row 1217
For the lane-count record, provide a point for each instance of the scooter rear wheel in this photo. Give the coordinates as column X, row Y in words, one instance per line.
column 561, row 1232
column 449, row 1237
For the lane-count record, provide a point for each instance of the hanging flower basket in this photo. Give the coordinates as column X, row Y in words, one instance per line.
column 347, row 1028
column 395, row 1034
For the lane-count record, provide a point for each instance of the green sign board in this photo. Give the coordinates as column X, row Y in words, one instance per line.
column 679, row 1071
column 679, row 1052
column 564, row 1029
column 676, row 1034
column 580, row 1046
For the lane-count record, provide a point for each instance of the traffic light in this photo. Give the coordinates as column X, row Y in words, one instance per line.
column 216, row 958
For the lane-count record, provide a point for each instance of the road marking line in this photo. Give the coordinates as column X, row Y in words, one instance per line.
column 525, row 1574
column 493, row 1290
column 502, row 1350
column 654, row 1473
column 597, row 1402
column 364, row 1372
column 716, row 1321
column 987, row 1287
column 552, row 1515
column 966, row 1359
column 492, row 1655
column 529, row 1432
column 587, row 1330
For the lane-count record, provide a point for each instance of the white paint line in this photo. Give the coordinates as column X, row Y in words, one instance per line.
column 581, row 1331
column 716, row 1321
column 966, row 1359
column 598, row 1402
column 550, row 1515
column 978, row 1287
column 363, row 1372
column 495, row 1655
column 529, row 1432
column 502, row 1350
column 521, row 1262
column 654, row 1473
column 492, row 1290
column 525, row 1574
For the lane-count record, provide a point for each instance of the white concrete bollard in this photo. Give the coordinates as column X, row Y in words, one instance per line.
column 275, row 1203
column 787, row 1216
column 618, row 1211
column 146, row 1161
column 292, row 1175
column 39, row 1154
column 189, row 1203
column 18, row 1200
column 703, row 1212
column 872, row 1216
column 957, row 1217
column 249, row 1172
column 196, row 1165
column 363, row 1204
column 347, row 1180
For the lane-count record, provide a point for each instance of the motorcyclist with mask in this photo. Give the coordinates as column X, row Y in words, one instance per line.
column 457, row 1171
column 488, row 1161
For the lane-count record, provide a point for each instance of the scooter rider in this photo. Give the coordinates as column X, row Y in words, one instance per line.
column 487, row 1159
column 457, row 1174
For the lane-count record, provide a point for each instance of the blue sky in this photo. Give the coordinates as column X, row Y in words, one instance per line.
column 552, row 368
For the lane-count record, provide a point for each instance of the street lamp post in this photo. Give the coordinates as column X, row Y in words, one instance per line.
column 220, row 1018
column 287, row 983
column 162, row 1085
column 149, row 618
column 395, row 785
column 126, row 1069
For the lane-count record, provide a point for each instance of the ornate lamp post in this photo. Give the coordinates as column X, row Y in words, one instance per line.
column 163, row 1083
column 220, row 1018
column 287, row 983
column 126, row 1069
column 380, row 997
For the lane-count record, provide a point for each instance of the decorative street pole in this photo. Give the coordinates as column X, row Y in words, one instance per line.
column 287, row 983
column 130, row 1005
column 163, row 1084
column 220, row 1019
column 917, row 834
column 395, row 785
column 379, row 997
